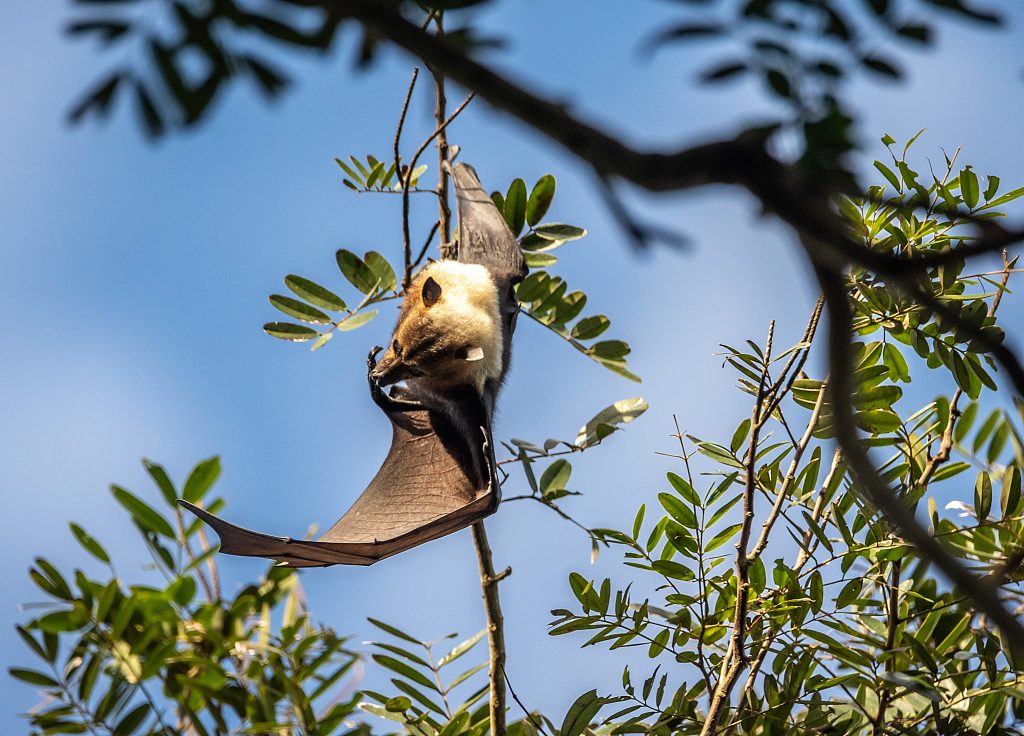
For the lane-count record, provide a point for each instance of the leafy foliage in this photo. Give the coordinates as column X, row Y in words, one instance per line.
column 176, row 656
column 834, row 622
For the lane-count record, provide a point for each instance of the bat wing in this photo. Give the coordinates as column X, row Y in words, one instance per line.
column 437, row 478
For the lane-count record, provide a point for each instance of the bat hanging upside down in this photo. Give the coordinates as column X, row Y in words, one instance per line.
column 451, row 348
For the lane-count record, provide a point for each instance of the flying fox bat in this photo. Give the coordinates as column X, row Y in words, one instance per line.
column 451, row 348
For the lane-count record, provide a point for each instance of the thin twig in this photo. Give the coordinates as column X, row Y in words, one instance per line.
column 736, row 659
column 404, row 179
column 892, row 630
column 536, row 721
column 445, row 213
column 783, row 492
column 426, row 244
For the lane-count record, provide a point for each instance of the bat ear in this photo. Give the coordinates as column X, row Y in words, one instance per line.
column 474, row 354
column 431, row 292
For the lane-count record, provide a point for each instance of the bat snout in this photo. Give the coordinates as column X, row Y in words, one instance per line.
column 389, row 371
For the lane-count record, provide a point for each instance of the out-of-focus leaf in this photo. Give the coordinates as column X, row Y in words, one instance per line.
column 89, row 544
column 201, row 479
column 142, row 512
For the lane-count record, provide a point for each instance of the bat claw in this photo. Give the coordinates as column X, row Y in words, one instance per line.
column 371, row 359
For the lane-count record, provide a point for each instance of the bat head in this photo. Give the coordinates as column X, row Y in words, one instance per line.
column 449, row 331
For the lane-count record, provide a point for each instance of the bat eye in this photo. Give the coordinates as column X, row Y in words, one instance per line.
column 396, row 349
column 415, row 372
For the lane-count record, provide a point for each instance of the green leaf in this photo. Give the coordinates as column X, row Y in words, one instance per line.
column 89, row 544
column 143, row 514
column 580, row 713
column 992, row 188
column 132, row 721
column 849, row 593
column 461, row 649
column 679, row 510
column 404, row 670
column 671, row 569
column 396, row 632
column 289, row 331
column 684, row 489
column 314, row 293
column 983, row 495
column 555, row 476
column 32, row 677
column 739, row 435
column 619, row 413
column 1009, row 499
column 515, row 206
column 33, row 643
column 877, row 421
column 540, row 199
column 356, row 271
column 590, row 327
column 398, row 704
column 889, row 176
column 722, row 537
column 356, row 320
column 559, row 231
column 201, row 479
column 1008, row 197
column 896, row 363
column 539, row 260
column 969, row 187
column 382, row 270
column 610, row 349
column 299, row 310
column 162, row 480
column 321, row 341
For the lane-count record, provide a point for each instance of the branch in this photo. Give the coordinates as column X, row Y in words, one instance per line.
column 495, row 627
column 406, row 240
column 735, row 659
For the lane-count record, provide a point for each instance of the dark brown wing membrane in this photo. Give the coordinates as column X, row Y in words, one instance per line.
column 436, row 479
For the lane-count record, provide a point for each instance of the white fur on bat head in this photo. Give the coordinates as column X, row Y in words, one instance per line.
column 449, row 331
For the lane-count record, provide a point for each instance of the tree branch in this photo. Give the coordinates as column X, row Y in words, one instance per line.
column 404, row 179
column 735, row 659
column 495, row 627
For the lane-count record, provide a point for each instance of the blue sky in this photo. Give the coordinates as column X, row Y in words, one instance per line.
column 135, row 280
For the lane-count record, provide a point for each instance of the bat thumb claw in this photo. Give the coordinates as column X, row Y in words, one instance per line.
column 371, row 359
